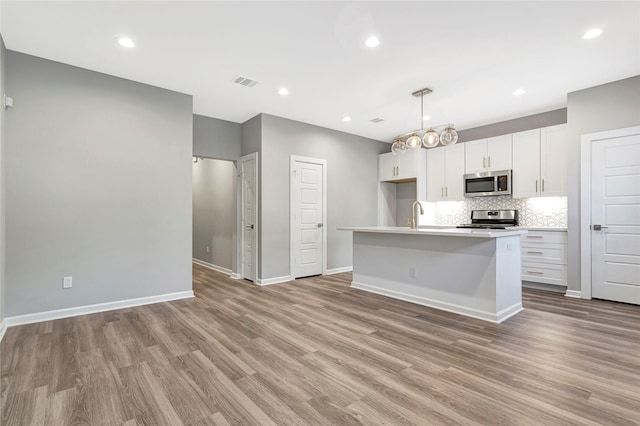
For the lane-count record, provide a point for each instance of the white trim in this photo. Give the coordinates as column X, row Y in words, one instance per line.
column 586, row 142
column 449, row 307
column 236, row 276
column 573, row 293
column 339, row 270
column 212, row 266
column 3, row 329
column 91, row 309
column 292, row 161
column 275, row 280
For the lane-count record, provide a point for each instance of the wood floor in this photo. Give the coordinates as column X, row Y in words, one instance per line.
column 318, row 352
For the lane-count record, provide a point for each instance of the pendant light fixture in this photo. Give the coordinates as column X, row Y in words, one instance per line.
column 430, row 138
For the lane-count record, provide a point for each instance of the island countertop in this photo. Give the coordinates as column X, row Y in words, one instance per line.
column 443, row 232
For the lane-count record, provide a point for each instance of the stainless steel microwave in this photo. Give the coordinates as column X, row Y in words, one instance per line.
column 487, row 183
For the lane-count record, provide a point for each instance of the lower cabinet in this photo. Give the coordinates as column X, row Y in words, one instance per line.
column 544, row 257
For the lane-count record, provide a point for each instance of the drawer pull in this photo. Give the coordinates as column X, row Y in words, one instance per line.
column 535, row 252
column 535, row 272
column 535, row 236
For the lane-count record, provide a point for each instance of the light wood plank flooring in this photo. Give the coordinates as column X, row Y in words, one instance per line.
column 318, row 352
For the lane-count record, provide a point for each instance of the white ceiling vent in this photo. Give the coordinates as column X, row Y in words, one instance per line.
column 377, row 120
column 244, row 81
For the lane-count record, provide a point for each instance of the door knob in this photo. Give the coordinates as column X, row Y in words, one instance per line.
column 249, row 226
column 319, row 225
column 598, row 227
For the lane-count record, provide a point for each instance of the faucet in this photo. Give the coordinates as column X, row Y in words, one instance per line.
column 412, row 223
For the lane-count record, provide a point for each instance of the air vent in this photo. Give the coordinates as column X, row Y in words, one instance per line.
column 244, row 81
column 377, row 120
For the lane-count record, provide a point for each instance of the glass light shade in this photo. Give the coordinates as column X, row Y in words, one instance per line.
column 398, row 146
column 430, row 139
column 413, row 142
column 449, row 136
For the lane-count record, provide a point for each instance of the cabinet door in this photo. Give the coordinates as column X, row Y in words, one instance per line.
column 475, row 156
column 526, row 164
column 499, row 153
column 387, row 166
column 553, row 161
column 435, row 174
column 454, row 172
column 407, row 164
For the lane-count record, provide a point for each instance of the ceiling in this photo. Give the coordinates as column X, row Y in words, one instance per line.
column 472, row 54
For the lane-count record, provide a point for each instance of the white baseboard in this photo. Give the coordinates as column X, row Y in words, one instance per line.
column 339, row 270
column 212, row 266
column 275, row 280
column 91, row 309
column 574, row 293
column 3, row 328
column 236, row 276
column 497, row 317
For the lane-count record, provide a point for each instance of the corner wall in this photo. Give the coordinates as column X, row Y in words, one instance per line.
column 98, row 188
column 3, row 126
column 607, row 107
column 352, row 188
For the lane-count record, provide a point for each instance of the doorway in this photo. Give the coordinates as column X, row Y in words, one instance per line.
column 308, row 230
column 249, row 216
column 610, row 227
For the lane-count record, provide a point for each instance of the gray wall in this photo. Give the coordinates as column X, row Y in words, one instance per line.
column 3, row 127
column 214, row 211
column 352, row 172
column 545, row 119
column 215, row 138
column 610, row 106
column 98, row 187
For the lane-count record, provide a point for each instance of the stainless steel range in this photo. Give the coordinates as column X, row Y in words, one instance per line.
column 492, row 219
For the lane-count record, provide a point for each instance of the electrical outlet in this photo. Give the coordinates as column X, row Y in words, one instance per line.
column 208, row 249
column 412, row 272
column 67, row 282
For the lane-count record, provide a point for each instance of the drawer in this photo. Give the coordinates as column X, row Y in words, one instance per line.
column 544, row 253
column 544, row 273
column 545, row 237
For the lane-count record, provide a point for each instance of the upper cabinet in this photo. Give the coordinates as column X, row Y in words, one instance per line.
column 401, row 167
column 445, row 171
column 540, row 162
column 486, row 155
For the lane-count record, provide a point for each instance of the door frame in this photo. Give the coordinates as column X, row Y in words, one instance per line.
column 292, row 162
column 241, row 198
column 586, row 142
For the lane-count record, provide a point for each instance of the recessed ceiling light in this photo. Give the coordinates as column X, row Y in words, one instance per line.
column 592, row 33
column 126, row 42
column 426, row 117
column 519, row 92
column 346, row 119
column 283, row 92
column 372, row 41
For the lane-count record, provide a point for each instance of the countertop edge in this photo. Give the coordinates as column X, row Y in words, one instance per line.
column 442, row 232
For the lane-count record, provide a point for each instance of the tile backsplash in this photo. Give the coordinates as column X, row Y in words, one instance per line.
column 547, row 212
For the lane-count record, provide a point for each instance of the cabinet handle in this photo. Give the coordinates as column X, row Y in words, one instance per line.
column 535, row 252
column 489, row 161
column 542, row 185
column 535, row 236
column 483, row 162
column 536, row 186
column 446, row 191
column 442, row 192
column 535, row 272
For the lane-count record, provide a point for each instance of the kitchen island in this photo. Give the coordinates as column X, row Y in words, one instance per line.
column 467, row 271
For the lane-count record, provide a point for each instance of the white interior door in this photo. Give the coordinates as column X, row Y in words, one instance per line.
column 249, row 173
column 308, row 227
column 615, row 219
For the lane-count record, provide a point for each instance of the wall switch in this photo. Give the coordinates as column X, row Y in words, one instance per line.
column 208, row 249
column 412, row 272
column 67, row 282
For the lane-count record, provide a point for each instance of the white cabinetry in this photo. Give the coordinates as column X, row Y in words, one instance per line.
column 445, row 171
column 540, row 162
column 488, row 154
column 544, row 257
column 401, row 167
